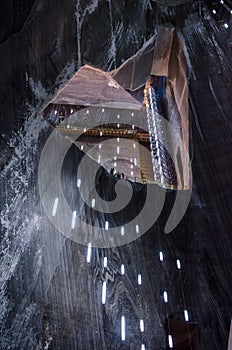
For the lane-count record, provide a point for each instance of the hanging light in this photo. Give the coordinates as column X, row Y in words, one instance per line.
column 89, row 253
column 105, row 261
column 186, row 316
column 73, row 220
column 141, row 326
column 123, row 328
column 170, row 341
column 165, row 296
column 103, row 292
column 178, row 264
column 55, row 205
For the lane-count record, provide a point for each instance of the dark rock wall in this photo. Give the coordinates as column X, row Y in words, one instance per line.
column 38, row 46
column 50, row 296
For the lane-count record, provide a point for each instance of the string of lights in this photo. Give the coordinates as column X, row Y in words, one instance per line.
column 221, row 11
column 163, row 167
column 166, row 297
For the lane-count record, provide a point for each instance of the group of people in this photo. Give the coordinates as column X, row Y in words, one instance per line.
column 117, row 174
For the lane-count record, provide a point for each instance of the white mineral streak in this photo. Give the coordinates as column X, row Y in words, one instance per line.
column 80, row 17
column 21, row 219
column 16, row 178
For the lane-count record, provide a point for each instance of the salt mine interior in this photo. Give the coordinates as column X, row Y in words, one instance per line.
column 115, row 201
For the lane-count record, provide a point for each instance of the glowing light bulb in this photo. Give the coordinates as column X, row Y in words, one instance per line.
column 89, row 253
column 141, row 326
column 123, row 328
column 55, row 205
column 103, row 292
column 170, row 341
column 186, row 316
column 74, row 219
column 107, row 225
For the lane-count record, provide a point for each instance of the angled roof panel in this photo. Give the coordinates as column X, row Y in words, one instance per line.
column 91, row 86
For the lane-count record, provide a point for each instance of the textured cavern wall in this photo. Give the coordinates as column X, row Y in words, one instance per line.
column 50, row 296
column 38, row 46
